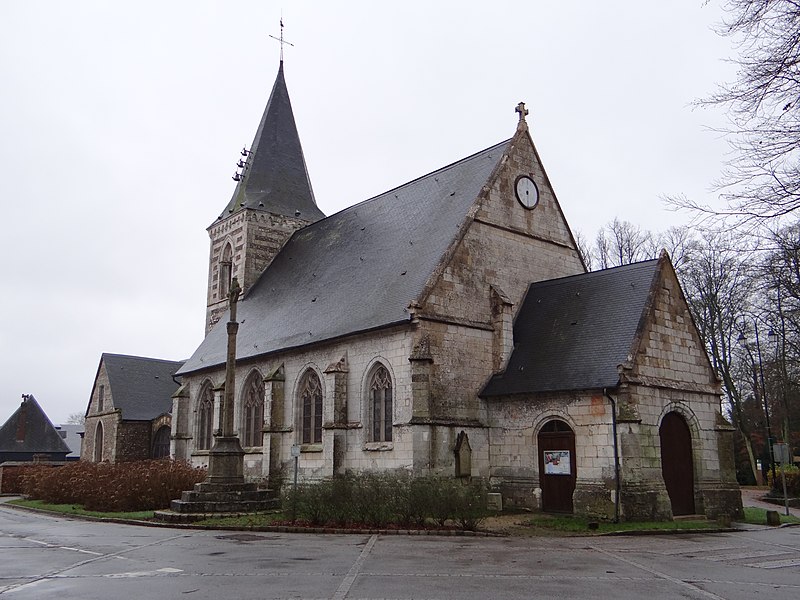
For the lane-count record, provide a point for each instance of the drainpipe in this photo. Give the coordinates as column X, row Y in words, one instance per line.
column 616, row 452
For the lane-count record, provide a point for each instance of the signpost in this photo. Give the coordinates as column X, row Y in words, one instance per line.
column 781, row 454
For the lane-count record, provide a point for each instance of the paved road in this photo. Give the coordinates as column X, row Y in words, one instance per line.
column 48, row 557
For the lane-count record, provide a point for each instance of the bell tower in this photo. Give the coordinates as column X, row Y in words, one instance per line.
column 273, row 199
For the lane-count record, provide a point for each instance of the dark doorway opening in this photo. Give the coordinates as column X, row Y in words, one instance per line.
column 557, row 466
column 677, row 464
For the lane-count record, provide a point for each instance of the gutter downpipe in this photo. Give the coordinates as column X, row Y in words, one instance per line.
column 616, row 453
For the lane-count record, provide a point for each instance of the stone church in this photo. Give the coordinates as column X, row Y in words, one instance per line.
column 449, row 326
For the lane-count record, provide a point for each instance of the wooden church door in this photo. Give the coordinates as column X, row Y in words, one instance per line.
column 676, row 463
column 557, row 466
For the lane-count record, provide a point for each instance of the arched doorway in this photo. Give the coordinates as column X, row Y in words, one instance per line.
column 557, row 466
column 676, row 463
column 161, row 442
column 98, row 443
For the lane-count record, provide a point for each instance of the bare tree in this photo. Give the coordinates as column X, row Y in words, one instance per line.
column 77, row 418
column 623, row 243
column 678, row 242
column 584, row 249
column 762, row 180
column 717, row 282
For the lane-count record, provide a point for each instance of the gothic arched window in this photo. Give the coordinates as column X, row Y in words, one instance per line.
column 205, row 418
column 310, row 397
column 161, row 442
column 253, row 411
column 98, row 443
column 225, row 271
column 380, row 405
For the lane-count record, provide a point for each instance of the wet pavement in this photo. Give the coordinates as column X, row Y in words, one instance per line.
column 47, row 557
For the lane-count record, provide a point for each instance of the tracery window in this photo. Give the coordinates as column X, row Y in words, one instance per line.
column 253, row 411
column 205, row 418
column 310, row 397
column 380, row 405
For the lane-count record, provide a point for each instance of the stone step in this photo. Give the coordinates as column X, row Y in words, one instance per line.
column 207, row 486
column 226, row 496
column 179, row 506
column 168, row 516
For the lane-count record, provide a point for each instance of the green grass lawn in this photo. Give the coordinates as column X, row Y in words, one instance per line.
column 758, row 516
column 574, row 524
column 75, row 509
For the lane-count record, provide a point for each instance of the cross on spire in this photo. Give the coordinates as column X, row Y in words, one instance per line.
column 523, row 112
column 281, row 40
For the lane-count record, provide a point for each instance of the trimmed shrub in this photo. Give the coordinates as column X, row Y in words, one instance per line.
column 792, row 481
column 130, row 486
column 383, row 499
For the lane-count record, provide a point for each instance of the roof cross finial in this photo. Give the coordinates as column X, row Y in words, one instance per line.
column 523, row 112
column 281, row 40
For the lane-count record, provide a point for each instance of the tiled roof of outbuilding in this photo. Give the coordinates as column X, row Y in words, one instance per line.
column 141, row 387
column 29, row 430
column 572, row 333
column 356, row 270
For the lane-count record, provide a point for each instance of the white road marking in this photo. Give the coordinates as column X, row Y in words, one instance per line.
column 347, row 583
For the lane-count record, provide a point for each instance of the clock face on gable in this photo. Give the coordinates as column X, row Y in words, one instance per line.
column 526, row 191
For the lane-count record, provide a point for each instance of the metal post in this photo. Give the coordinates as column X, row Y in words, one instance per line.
column 766, row 404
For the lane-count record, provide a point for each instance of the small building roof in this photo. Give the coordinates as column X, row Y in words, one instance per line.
column 29, row 431
column 71, row 434
column 572, row 333
column 141, row 387
column 356, row 270
column 275, row 178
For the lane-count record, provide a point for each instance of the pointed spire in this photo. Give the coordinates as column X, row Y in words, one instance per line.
column 275, row 178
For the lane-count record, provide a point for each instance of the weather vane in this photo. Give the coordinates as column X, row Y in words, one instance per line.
column 281, row 40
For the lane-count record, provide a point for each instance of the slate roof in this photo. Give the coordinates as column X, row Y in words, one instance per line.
column 571, row 333
column 29, row 430
column 356, row 270
column 276, row 179
column 141, row 387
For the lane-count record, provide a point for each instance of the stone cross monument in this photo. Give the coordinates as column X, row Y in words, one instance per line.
column 226, row 457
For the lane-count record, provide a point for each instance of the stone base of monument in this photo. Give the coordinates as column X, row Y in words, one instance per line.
column 223, row 493
column 210, row 499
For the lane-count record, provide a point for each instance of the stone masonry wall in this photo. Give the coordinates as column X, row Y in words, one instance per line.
column 506, row 247
column 107, row 415
column 133, row 441
column 514, row 426
column 390, row 347
column 256, row 237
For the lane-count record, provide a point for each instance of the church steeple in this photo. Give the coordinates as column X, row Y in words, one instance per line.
column 274, row 177
column 273, row 198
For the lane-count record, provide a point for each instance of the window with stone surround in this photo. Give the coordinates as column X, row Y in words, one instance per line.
column 101, row 398
column 205, row 418
column 225, row 271
column 310, row 400
column 253, row 410
column 380, row 404
column 161, row 442
column 98, row 443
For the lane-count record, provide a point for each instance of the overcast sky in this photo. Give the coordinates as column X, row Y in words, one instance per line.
column 121, row 123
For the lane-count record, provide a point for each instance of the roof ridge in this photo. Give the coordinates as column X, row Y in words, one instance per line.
column 597, row 273
column 408, row 183
column 148, row 358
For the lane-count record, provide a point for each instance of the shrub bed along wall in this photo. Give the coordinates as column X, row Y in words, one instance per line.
column 129, row 486
column 383, row 499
